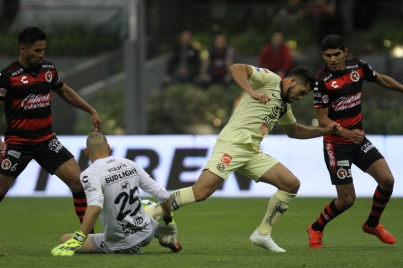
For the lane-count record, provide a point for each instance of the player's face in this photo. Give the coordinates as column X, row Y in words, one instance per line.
column 33, row 54
column 297, row 92
column 335, row 59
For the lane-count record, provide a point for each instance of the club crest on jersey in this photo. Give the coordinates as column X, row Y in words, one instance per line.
column 354, row 76
column 6, row 164
column 325, row 98
column 48, row 76
column 55, row 145
column 3, row 92
column 226, row 159
column 221, row 167
column 125, row 185
column 341, row 173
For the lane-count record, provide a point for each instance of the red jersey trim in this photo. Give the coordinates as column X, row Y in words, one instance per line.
column 20, row 140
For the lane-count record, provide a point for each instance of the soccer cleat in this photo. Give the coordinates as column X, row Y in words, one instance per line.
column 264, row 241
column 315, row 238
column 380, row 232
column 175, row 246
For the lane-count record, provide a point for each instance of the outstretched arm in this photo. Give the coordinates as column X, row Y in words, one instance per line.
column 298, row 131
column 72, row 98
column 241, row 74
column 389, row 83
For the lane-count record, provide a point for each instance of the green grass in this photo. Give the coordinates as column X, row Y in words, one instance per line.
column 214, row 233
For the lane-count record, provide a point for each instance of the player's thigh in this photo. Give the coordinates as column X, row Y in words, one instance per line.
column 56, row 159
column 380, row 171
column 95, row 244
column 69, row 173
column 5, row 184
column 282, row 178
column 206, row 185
column 14, row 158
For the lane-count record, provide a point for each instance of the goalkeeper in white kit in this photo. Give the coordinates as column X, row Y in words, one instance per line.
column 112, row 185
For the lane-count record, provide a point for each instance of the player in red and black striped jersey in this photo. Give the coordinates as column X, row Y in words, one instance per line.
column 337, row 97
column 26, row 87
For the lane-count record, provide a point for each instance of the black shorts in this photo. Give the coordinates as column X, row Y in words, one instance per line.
column 50, row 155
column 340, row 157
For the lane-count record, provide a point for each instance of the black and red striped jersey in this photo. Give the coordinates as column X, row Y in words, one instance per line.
column 340, row 92
column 27, row 97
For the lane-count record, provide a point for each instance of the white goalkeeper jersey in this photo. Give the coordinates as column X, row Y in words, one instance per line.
column 114, row 183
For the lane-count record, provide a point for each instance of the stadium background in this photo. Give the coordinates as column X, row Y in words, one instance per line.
column 95, row 44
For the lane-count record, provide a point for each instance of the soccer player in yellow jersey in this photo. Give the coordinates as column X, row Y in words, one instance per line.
column 266, row 100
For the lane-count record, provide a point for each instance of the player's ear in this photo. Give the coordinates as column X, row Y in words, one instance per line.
column 86, row 152
column 109, row 148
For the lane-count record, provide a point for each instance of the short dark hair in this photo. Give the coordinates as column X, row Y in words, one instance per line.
column 303, row 75
column 332, row 41
column 30, row 35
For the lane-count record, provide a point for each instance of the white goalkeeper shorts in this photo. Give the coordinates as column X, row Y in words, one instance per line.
column 100, row 246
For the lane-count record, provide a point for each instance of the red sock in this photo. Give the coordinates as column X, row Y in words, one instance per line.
column 379, row 201
column 80, row 206
column 329, row 213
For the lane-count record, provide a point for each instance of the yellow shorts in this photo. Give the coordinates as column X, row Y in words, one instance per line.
column 247, row 159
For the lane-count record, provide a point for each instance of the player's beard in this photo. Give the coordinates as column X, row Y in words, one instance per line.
column 286, row 98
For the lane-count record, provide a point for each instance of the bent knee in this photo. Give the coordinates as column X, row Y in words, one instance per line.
column 345, row 203
column 292, row 186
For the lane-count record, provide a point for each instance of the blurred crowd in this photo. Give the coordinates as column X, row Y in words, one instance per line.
column 188, row 65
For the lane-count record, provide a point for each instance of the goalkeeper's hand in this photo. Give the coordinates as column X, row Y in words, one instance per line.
column 70, row 246
column 167, row 230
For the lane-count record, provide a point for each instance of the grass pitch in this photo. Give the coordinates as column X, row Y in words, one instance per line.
column 213, row 233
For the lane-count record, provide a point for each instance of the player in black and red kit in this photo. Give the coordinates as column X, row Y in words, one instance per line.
column 337, row 97
column 25, row 88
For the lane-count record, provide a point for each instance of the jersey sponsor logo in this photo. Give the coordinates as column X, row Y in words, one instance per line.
column 317, row 95
column 120, row 176
column 270, row 119
column 6, row 164
column 343, row 163
column 14, row 153
column 17, row 72
column 257, row 69
column 277, row 209
column 315, row 89
column 24, row 80
column 355, row 76
column 352, row 66
column 332, row 157
column 344, row 103
column 341, row 173
column 334, row 84
column 48, row 66
column 55, row 145
column 263, row 130
column 36, row 101
column 325, row 98
column 367, row 146
column 226, row 159
column 48, row 76
column 327, row 77
column 110, row 161
column 121, row 166
column 3, row 92
column 221, row 167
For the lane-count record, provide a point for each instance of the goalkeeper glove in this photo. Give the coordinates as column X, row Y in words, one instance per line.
column 70, row 246
column 167, row 230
